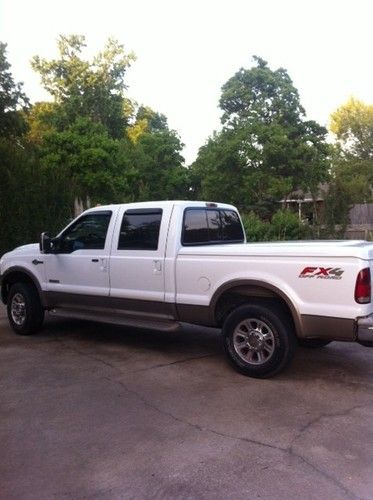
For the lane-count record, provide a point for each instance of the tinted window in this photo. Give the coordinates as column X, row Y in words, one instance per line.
column 87, row 233
column 195, row 227
column 203, row 226
column 214, row 225
column 140, row 230
column 231, row 226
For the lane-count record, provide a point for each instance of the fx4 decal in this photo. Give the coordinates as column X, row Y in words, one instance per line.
column 326, row 273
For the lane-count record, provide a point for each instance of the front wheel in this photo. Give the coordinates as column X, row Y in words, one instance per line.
column 25, row 312
column 259, row 341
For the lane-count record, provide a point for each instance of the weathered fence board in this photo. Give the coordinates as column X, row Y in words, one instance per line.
column 361, row 214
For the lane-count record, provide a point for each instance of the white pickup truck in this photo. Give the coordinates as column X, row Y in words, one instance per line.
column 157, row 264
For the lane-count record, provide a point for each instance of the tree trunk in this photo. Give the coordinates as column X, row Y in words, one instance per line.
column 80, row 206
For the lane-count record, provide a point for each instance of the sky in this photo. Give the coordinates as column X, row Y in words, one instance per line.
column 187, row 49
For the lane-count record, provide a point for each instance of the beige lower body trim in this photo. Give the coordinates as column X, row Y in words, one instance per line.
column 326, row 327
column 127, row 310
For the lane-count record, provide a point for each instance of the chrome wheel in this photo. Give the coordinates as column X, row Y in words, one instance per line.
column 18, row 309
column 253, row 341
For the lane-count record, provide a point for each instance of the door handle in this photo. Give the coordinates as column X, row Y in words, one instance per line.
column 104, row 263
column 36, row 262
column 157, row 266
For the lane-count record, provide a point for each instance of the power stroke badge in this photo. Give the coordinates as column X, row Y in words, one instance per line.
column 324, row 273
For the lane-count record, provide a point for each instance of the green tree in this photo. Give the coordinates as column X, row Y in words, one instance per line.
column 266, row 149
column 156, row 156
column 87, row 158
column 12, row 100
column 93, row 89
column 106, row 146
column 260, row 95
column 352, row 163
column 30, row 200
column 337, row 205
column 352, row 124
column 78, row 134
column 91, row 144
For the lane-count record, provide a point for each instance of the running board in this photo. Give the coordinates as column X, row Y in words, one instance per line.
column 117, row 318
column 365, row 343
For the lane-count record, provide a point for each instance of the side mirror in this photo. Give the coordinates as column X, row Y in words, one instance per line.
column 45, row 243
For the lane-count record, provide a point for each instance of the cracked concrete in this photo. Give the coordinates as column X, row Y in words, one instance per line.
column 96, row 411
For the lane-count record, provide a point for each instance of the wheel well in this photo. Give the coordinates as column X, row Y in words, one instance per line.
column 250, row 294
column 10, row 279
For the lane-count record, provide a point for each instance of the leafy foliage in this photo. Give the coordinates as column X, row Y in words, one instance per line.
column 352, row 125
column 352, row 163
column 86, row 155
column 260, row 95
column 18, row 184
column 158, row 161
column 12, row 100
column 30, row 200
column 255, row 228
column 266, row 148
column 93, row 144
column 90, row 145
column 92, row 89
column 284, row 225
column 109, row 148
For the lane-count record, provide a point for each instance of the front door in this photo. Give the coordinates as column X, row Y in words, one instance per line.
column 81, row 262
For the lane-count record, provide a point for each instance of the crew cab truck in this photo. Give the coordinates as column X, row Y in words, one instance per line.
column 157, row 264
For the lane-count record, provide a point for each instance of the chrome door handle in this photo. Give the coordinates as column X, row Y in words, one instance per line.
column 103, row 265
column 157, row 266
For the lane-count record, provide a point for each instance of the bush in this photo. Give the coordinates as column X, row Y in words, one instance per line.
column 284, row 225
column 255, row 228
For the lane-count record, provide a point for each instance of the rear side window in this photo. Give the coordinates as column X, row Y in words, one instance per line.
column 195, row 227
column 140, row 229
column 211, row 226
column 231, row 229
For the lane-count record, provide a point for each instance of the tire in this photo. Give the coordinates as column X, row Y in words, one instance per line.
column 258, row 340
column 25, row 312
column 313, row 343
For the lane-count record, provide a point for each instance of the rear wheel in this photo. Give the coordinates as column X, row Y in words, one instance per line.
column 259, row 341
column 313, row 343
column 25, row 312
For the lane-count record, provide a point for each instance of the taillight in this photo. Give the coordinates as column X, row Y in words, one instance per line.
column 363, row 287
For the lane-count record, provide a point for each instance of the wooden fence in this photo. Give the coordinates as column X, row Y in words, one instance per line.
column 361, row 222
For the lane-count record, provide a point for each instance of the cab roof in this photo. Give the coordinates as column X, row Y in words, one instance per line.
column 162, row 204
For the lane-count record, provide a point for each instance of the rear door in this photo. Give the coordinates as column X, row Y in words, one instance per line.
column 138, row 254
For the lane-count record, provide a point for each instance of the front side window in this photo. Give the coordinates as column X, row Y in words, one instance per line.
column 211, row 226
column 140, row 229
column 87, row 233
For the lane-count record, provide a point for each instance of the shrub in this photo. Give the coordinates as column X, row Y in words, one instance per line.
column 284, row 225
column 255, row 228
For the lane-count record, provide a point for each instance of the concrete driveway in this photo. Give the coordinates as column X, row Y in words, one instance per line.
column 96, row 411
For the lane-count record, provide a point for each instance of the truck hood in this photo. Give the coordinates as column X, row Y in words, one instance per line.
column 31, row 249
column 338, row 248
